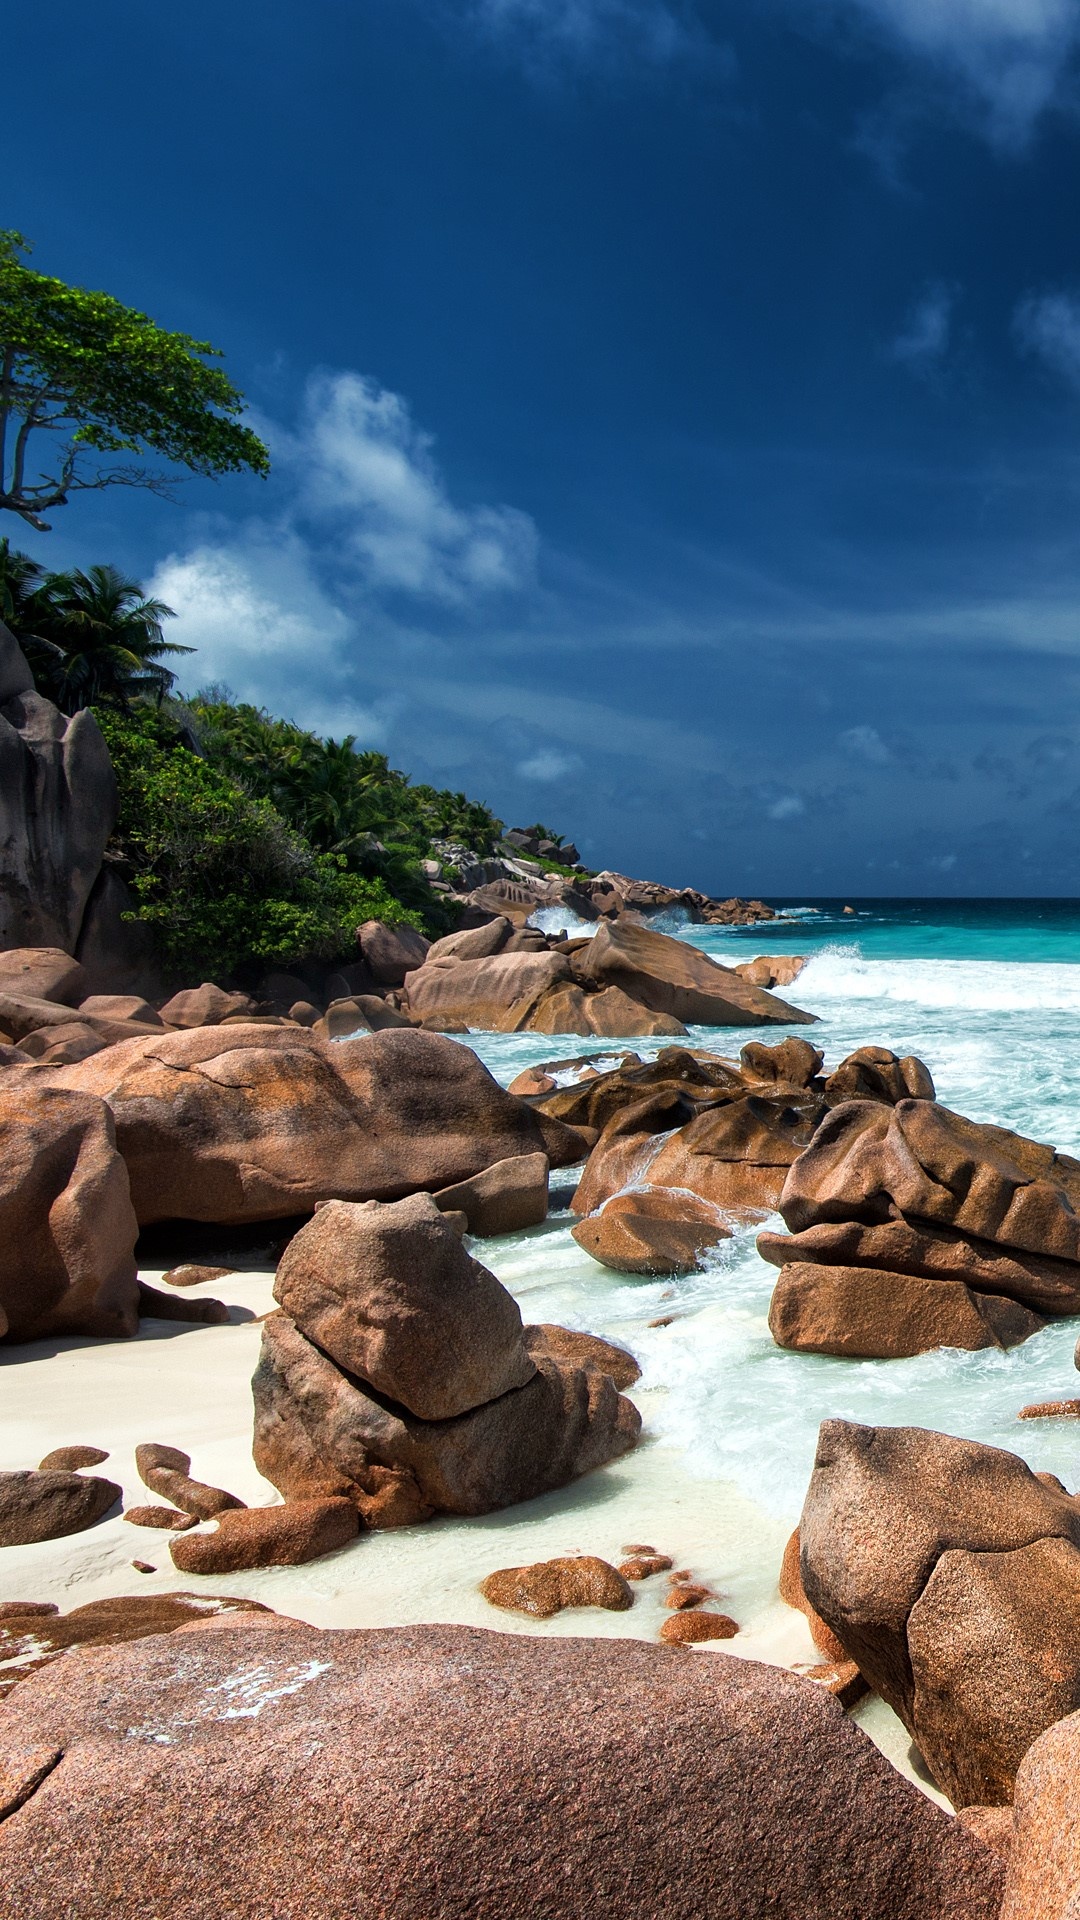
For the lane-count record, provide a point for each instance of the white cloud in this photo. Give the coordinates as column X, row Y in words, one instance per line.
column 1049, row 325
column 262, row 625
column 924, row 341
column 365, row 471
column 549, row 764
column 788, row 807
column 1009, row 55
column 866, row 743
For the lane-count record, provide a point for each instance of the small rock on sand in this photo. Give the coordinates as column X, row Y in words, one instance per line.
column 550, row 1585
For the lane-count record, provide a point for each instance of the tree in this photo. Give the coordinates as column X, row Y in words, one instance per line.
column 95, row 637
column 102, row 379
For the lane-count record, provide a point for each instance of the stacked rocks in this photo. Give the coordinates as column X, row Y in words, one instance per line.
column 951, row 1574
column 399, row 1375
column 691, row 1140
column 917, row 1228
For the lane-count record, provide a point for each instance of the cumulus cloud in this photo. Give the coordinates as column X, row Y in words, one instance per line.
column 364, row 470
column 1008, row 56
column 1048, row 325
column 924, row 340
column 865, row 743
column 364, row 547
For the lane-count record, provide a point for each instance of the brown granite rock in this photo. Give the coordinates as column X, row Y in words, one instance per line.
column 873, row 1073
column 121, row 1006
column 936, row 1253
column 794, row 1594
column 627, row 1146
column 472, row 943
column 391, row 952
column 642, row 1566
column 67, row 1229
column 258, row 1123
column 739, row 1155
column 866, row 1313
column 1043, row 1881
column 652, row 1230
column 46, row 1506
column 205, row 1006
column 190, row 1274
column 33, row 1636
column 564, row 1422
column 595, row 1097
column 246, row 1773
column 165, row 1470
column 287, row 1536
column 551, row 1585
column 390, row 1294
column 693, row 1629
column 169, row 1519
column 841, row 1678
column 685, row 1593
column 992, row 1825
column 504, row 1198
column 887, row 1507
column 42, row 973
column 790, row 1063
column 71, row 1459
column 496, row 994
column 584, row 1350
column 926, row 1163
column 671, row 977
column 1051, row 1410
column 995, row 1660
column 155, row 1305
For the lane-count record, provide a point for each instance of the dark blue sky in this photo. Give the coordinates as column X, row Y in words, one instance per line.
column 675, row 408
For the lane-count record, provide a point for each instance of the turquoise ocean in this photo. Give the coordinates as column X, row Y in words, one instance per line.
column 987, row 992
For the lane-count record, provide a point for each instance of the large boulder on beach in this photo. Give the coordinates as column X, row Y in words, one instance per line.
column 939, row 1207
column 563, row 1422
column 439, row 1770
column 496, row 993
column 47, row 1506
column 906, row 1247
column 871, row 1314
column 42, row 973
column 57, row 810
column 1043, row 1881
column 950, row 1573
column 671, row 977
column 921, row 1161
column 67, row 1226
column 389, row 1293
column 253, row 1122
column 391, row 952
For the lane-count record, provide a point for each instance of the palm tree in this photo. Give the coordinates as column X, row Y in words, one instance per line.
column 104, row 639
column 20, row 584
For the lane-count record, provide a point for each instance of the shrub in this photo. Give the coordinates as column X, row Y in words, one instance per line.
column 217, row 873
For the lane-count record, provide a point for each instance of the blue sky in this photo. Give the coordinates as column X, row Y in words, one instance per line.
column 675, row 404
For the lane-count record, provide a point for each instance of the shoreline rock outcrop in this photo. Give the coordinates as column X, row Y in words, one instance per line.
column 950, row 1573
column 398, row 1375
column 912, row 1227
column 440, row 1770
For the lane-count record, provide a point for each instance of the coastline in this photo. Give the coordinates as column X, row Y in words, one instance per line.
column 189, row 1386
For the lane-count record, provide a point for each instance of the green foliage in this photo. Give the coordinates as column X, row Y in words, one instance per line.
column 88, row 636
column 98, row 378
column 353, row 805
column 218, row 873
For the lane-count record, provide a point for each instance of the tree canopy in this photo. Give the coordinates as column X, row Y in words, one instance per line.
column 84, row 378
column 90, row 636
